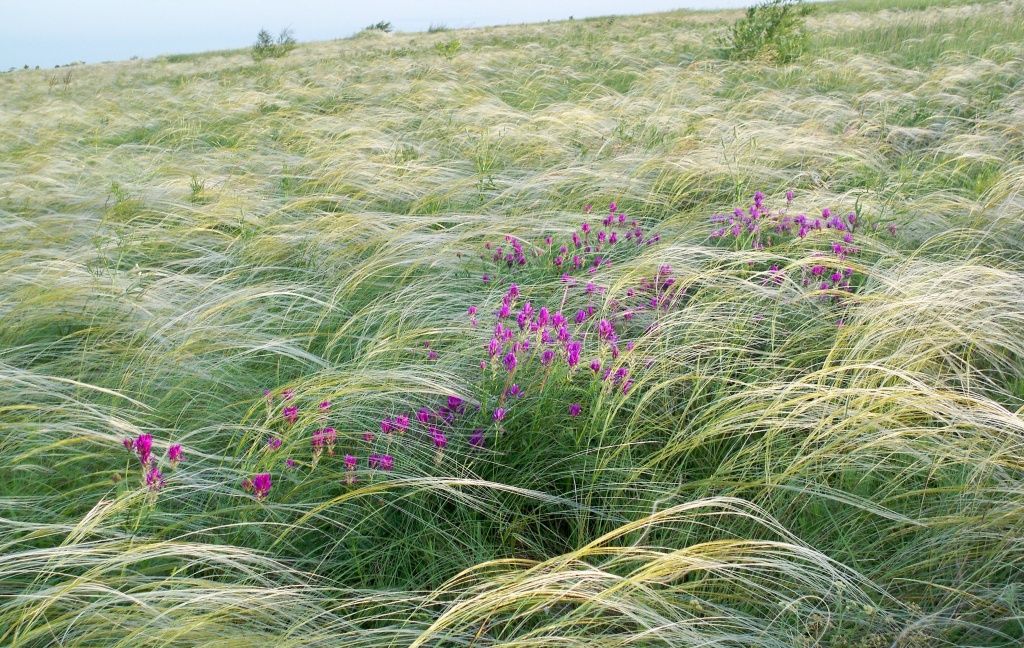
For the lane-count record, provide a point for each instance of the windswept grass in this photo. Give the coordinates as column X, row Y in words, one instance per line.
column 769, row 461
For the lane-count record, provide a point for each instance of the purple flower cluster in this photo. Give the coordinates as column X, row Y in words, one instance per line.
column 142, row 447
column 760, row 227
column 588, row 249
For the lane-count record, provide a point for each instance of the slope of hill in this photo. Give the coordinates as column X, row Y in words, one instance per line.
column 541, row 335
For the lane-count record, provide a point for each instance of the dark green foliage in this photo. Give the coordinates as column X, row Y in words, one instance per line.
column 266, row 47
column 772, row 30
column 382, row 26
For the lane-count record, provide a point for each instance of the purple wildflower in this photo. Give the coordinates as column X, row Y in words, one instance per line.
column 261, row 486
column 440, row 441
column 154, row 479
column 477, row 439
column 572, row 353
column 499, row 414
column 574, row 410
column 144, row 448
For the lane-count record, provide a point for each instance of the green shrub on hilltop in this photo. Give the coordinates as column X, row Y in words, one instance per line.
column 772, row 30
column 266, row 47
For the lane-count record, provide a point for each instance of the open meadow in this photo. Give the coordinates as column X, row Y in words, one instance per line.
column 554, row 335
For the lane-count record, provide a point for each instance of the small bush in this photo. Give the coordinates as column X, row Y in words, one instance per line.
column 434, row 29
column 266, row 47
column 448, row 49
column 772, row 30
column 382, row 26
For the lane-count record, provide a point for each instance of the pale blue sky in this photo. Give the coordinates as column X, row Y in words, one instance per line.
column 55, row 32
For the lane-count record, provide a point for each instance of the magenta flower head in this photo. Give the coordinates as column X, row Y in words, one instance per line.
column 289, row 462
column 510, row 362
column 423, row 415
column 455, row 403
column 291, row 414
column 588, row 208
column 499, row 414
column 477, row 439
column 368, row 436
column 572, row 353
column 432, row 355
column 789, row 196
column 273, row 443
column 494, row 347
column 595, row 365
column 386, row 426
column 402, row 423
column 144, row 448
column 324, row 406
column 350, row 470
column 440, row 441
column 288, row 394
column 574, row 410
column 247, row 485
column 387, row 462
column 513, row 291
column 486, row 278
column 374, row 461
column 154, row 479
column 261, row 484
column 128, row 443
column 611, row 207
column 175, row 455
column 563, row 333
column 605, row 330
column 547, row 357
column 543, row 317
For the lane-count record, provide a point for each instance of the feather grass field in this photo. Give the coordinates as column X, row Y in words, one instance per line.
column 568, row 334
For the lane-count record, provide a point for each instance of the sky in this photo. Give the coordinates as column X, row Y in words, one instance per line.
column 56, row 32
